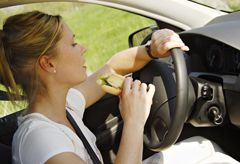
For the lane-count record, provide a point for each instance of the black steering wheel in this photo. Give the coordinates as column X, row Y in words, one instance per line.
column 169, row 109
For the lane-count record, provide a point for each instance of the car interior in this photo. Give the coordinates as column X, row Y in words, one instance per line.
column 197, row 94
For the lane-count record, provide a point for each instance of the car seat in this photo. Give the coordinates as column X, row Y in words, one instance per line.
column 6, row 154
column 8, row 126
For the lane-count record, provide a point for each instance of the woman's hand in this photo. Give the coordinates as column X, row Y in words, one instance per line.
column 164, row 40
column 136, row 101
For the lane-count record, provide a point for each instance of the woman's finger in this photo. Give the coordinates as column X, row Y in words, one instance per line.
column 127, row 84
column 151, row 90
column 170, row 38
column 169, row 45
column 135, row 86
column 185, row 48
column 143, row 88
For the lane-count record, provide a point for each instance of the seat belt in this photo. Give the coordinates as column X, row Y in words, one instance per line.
column 90, row 151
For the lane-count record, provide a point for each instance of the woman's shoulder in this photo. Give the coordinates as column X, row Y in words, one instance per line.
column 34, row 124
column 31, row 122
column 39, row 138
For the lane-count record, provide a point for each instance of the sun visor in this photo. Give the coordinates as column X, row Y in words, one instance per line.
column 225, row 29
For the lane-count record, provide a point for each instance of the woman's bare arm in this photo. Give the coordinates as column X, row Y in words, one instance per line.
column 65, row 158
column 130, row 60
column 124, row 62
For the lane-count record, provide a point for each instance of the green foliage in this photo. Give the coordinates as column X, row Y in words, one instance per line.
column 225, row 5
column 104, row 31
column 234, row 4
column 8, row 107
column 50, row 7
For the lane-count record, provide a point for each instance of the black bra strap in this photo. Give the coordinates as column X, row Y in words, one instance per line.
column 90, row 151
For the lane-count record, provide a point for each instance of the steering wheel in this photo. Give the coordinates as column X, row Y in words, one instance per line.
column 169, row 109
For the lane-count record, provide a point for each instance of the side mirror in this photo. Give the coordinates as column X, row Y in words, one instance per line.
column 141, row 36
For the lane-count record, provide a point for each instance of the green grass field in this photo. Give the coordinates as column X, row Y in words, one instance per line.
column 102, row 30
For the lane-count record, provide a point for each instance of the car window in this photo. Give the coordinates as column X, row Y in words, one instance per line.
column 224, row 5
column 102, row 30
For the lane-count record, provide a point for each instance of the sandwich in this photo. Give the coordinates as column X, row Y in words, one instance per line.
column 111, row 83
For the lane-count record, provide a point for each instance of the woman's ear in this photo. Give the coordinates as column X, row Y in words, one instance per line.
column 47, row 64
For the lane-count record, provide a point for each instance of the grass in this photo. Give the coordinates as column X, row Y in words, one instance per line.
column 104, row 31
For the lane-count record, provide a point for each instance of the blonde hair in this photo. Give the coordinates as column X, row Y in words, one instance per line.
column 24, row 38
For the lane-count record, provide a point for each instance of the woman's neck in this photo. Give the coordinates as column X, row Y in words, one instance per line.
column 51, row 104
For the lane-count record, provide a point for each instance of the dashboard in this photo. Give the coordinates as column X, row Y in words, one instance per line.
column 208, row 55
column 217, row 62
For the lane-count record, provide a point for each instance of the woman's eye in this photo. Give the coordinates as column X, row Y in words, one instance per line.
column 74, row 44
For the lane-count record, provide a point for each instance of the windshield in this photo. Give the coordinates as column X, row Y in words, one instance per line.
column 223, row 5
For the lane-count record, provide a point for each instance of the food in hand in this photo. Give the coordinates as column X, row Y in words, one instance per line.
column 111, row 83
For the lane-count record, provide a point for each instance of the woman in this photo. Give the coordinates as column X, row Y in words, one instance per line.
column 38, row 52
